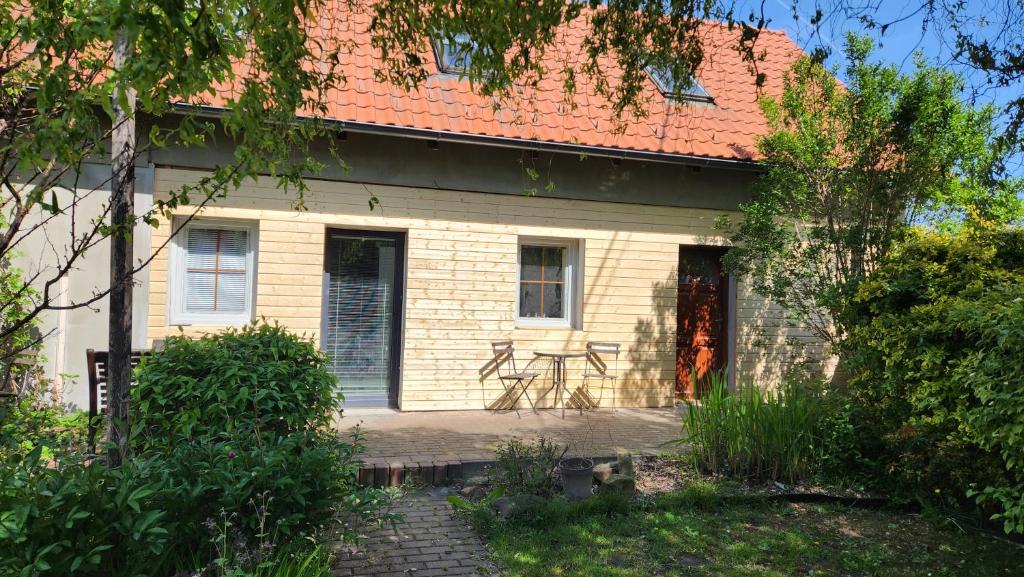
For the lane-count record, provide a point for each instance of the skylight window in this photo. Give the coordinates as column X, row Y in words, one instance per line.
column 689, row 89
column 453, row 57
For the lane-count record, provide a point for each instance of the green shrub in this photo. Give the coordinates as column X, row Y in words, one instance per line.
column 35, row 420
column 936, row 367
column 754, row 433
column 256, row 379
column 267, row 557
column 525, row 468
column 241, row 424
column 18, row 299
column 79, row 518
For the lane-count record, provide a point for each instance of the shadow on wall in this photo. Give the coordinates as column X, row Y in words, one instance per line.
column 771, row 347
column 651, row 357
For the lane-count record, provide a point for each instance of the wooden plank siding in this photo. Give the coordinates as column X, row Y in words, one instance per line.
column 461, row 282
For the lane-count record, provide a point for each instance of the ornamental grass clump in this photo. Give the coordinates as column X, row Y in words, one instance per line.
column 754, row 433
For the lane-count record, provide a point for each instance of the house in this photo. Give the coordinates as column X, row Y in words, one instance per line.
column 547, row 224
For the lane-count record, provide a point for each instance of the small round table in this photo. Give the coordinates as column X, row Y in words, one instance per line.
column 558, row 368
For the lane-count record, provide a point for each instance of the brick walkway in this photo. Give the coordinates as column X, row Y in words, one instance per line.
column 430, row 542
column 433, row 447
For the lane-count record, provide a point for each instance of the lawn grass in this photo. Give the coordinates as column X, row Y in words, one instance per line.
column 695, row 532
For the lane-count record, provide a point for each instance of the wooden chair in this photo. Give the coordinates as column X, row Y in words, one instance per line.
column 515, row 382
column 96, row 365
column 599, row 370
column 17, row 376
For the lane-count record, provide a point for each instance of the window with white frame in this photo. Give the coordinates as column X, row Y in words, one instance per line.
column 684, row 89
column 547, row 291
column 213, row 273
column 455, row 54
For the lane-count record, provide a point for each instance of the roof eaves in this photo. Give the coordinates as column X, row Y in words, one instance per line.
column 509, row 142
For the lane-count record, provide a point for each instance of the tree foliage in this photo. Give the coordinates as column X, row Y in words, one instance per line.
column 937, row 342
column 985, row 38
column 851, row 168
column 57, row 80
column 263, row 63
column 17, row 301
column 508, row 41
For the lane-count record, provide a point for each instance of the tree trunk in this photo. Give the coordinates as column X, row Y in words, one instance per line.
column 122, row 209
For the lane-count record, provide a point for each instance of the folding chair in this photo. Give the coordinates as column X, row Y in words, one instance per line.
column 515, row 382
column 598, row 362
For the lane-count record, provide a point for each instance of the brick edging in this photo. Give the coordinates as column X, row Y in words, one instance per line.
column 437, row 473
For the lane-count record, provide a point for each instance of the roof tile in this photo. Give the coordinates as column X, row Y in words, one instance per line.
column 728, row 129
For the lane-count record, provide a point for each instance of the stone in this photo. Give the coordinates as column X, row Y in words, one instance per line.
column 477, row 480
column 473, row 492
column 515, row 504
column 602, row 471
column 625, row 461
column 620, row 482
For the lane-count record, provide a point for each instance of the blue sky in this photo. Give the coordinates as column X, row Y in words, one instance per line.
column 910, row 31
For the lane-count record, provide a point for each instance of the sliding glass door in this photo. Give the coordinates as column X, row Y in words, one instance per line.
column 362, row 314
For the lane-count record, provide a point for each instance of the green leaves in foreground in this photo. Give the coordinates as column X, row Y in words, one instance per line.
column 937, row 372
column 850, row 169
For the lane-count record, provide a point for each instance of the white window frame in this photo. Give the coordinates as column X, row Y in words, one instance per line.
column 572, row 287
column 177, row 315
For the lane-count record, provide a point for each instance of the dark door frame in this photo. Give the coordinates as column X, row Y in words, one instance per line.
column 727, row 294
column 398, row 302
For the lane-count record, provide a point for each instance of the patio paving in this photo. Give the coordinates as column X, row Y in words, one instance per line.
column 433, row 447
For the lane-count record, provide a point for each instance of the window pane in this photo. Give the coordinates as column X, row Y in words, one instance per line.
column 231, row 292
column 216, row 263
column 202, row 248
column 529, row 300
column 667, row 83
column 662, row 76
column 696, row 91
column 199, row 291
column 553, row 300
column 234, row 246
column 554, row 263
column 698, row 267
column 529, row 262
column 455, row 56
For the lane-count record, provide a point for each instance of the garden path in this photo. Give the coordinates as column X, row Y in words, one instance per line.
column 430, row 542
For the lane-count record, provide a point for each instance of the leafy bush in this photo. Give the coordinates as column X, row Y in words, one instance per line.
column 35, row 420
column 80, row 518
column 752, row 432
column 525, row 468
column 17, row 298
column 241, row 423
column 258, row 379
column 234, row 556
column 234, row 426
column 936, row 366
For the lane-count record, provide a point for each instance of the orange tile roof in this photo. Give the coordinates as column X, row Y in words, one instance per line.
column 445, row 103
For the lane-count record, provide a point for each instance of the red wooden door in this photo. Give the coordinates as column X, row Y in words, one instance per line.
column 700, row 318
